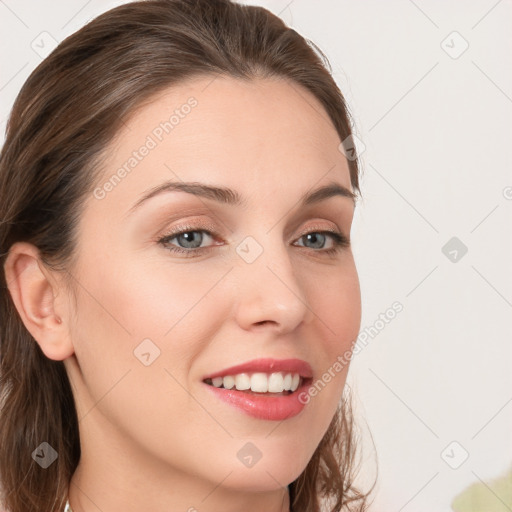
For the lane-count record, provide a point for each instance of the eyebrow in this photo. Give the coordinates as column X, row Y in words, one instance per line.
column 232, row 197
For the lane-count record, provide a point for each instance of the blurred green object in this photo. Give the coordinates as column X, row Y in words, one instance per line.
column 493, row 496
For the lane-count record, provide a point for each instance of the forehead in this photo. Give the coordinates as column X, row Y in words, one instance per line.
column 244, row 134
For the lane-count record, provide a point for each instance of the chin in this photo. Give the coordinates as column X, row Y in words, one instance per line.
column 260, row 466
column 263, row 478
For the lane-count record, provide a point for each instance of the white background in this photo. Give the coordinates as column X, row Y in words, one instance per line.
column 436, row 165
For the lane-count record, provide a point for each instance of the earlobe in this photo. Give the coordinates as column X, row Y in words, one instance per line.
column 34, row 291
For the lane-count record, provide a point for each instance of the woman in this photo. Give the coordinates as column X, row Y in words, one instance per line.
column 179, row 296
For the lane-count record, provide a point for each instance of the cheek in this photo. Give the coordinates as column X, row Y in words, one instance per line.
column 335, row 298
column 148, row 298
column 133, row 306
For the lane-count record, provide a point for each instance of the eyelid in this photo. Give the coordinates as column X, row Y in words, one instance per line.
column 329, row 229
column 189, row 226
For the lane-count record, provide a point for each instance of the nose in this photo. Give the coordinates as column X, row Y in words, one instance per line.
column 269, row 292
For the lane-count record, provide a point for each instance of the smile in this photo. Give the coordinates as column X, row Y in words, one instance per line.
column 276, row 382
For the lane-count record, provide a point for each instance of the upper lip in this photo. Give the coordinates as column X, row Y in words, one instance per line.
column 267, row 365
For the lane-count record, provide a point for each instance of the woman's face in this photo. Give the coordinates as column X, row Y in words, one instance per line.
column 157, row 312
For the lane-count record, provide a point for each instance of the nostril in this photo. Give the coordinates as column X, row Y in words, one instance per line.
column 263, row 322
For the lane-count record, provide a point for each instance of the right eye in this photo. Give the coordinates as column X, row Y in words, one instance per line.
column 189, row 240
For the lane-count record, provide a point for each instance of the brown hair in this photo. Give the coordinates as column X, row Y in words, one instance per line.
column 66, row 113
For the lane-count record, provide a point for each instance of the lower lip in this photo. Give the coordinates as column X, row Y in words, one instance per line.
column 263, row 406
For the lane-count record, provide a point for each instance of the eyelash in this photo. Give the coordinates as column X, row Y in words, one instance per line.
column 340, row 241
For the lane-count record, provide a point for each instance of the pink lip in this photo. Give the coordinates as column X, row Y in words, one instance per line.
column 262, row 406
column 265, row 406
column 267, row 365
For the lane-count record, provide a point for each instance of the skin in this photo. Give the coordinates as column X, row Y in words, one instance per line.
column 152, row 437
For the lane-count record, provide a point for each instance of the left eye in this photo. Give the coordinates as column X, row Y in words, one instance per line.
column 317, row 238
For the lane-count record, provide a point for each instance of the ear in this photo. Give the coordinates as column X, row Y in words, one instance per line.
column 34, row 290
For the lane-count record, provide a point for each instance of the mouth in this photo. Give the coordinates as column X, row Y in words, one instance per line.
column 266, row 389
column 270, row 405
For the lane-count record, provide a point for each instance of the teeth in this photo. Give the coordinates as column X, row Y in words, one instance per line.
column 295, row 381
column 242, row 381
column 259, row 382
column 276, row 382
column 228, row 381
